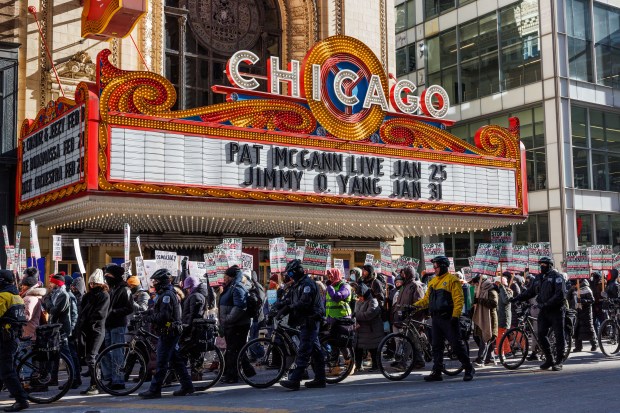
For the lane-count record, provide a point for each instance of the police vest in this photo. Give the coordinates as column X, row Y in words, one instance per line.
column 337, row 309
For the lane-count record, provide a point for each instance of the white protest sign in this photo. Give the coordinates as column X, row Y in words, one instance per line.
column 167, row 260
column 127, row 240
column 35, row 251
column 57, row 248
column 78, row 255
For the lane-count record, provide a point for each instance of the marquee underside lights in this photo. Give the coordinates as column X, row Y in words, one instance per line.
column 328, row 133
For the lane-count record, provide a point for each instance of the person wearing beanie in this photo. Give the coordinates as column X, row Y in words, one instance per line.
column 139, row 296
column 369, row 327
column 31, row 272
column 78, row 289
column 90, row 329
column 355, row 275
column 121, row 307
column 61, row 308
column 410, row 292
column 10, row 303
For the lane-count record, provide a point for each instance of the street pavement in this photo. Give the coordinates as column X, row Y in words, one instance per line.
column 588, row 383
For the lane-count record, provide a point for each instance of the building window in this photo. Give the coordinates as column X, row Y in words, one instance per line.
column 405, row 16
column 8, row 105
column 584, row 230
column 596, row 149
column 197, row 48
column 405, row 60
column 607, row 45
column 496, row 52
column 534, row 229
column 598, row 229
column 532, row 135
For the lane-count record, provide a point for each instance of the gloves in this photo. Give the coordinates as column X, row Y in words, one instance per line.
column 282, row 312
column 454, row 323
column 328, row 283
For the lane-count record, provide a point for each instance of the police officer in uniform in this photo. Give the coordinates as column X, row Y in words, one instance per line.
column 11, row 304
column 444, row 299
column 305, row 309
column 166, row 319
column 549, row 288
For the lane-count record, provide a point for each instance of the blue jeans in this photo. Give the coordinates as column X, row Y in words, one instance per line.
column 168, row 355
column 111, row 364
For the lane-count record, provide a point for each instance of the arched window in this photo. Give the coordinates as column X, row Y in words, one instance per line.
column 201, row 35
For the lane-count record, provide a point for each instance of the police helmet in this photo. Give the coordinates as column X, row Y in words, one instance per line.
column 6, row 277
column 162, row 275
column 441, row 261
column 294, row 269
column 546, row 260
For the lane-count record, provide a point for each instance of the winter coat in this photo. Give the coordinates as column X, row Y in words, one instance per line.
column 58, row 306
column 504, row 315
column 485, row 314
column 585, row 322
column 409, row 293
column 121, row 306
column 78, row 289
column 514, row 307
column 140, row 299
column 368, row 317
column 195, row 304
column 233, row 304
column 94, row 309
column 33, row 299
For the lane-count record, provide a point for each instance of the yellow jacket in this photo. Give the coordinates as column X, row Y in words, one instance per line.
column 7, row 300
column 444, row 296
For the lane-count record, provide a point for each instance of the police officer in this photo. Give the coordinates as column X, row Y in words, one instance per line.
column 444, row 299
column 549, row 287
column 166, row 319
column 305, row 309
column 11, row 315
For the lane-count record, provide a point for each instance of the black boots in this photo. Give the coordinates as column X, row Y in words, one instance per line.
column 17, row 407
column 149, row 394
column 315, row 384
column 548, row 362
column 469, row 374
column 290, row 384
column 434, row 376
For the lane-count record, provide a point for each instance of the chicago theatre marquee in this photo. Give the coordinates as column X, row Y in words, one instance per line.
column 332, row 150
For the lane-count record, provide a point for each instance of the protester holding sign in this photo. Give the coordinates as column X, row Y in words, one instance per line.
column 584, row 329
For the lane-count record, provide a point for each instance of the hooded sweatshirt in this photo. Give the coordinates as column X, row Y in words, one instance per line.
column 195, row 304
column 33, row 298
column 121, row 303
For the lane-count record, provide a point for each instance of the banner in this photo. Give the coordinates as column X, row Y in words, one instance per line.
column 431, row 251
column 503, row 238
column 451, row 268
column 233, row 247
column 167, row 260
column 139, row 247
column 127, row 240
column 467, row 273
column 150, row 266
column 520, row 259
column 339, row 264
column 601, row 257
column 78, row 255
column 403, row 261
column 247, row 261
column 487, row 258
column 315, row 257
column 277, row 255
column 221, row 262
column 10, row 257
column 211, row 268
column 141, row 273
column 22, row 262
column 370, row 259
column 35, row 251
column 577, row 264
column 536, row 251
column 57, row 248
column 386, row 257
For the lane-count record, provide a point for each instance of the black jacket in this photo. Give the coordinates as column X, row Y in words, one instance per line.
column 93, row 313
column 304, row 302
column 195, row 305
column 166, row 311
column 549, row 290
column 121, row 306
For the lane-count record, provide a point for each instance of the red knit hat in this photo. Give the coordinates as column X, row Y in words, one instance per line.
column 58, row 280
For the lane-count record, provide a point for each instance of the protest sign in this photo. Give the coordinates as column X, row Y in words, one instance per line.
column 315, row 257
column 431, row 251
column 601, row 257
column 577, row 265
column 519, row 260
column 167, row 260
column 537, row 250
column 78, row 255
column 35, row 251
column 277, row 255
column 386, row 257
column 503, row 238
column 487, row 258
column 370, row 259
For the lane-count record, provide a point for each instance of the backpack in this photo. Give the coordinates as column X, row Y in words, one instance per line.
column 255, row 300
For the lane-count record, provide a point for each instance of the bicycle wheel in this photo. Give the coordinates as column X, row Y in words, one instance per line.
column 207, row 369
column 567, row 345
column 261, row 363
column 127, row 362
column 608, row 338
column 395, row 356
column 45, row 380
column 339, row 361
column 451, row 364
column 516, row 340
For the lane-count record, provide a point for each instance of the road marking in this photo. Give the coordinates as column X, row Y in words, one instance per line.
column 177, row 407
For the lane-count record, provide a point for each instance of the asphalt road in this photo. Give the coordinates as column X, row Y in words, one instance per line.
column 588, row 383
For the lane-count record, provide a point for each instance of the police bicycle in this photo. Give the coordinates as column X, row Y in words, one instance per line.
column 262, row 362
column 518, row 339
column 395, row 354
column 45, row 373
column 609, row 331
column 205, row 360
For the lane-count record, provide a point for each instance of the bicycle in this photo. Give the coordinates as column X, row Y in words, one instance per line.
column 396, row 350
column 43, row 370
column 204, row 358
column 277, row 354
column 609, row 332
column 519, row 337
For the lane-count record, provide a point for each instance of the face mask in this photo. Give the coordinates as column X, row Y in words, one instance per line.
column 352, row 278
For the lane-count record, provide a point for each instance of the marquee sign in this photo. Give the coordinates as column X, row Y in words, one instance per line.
column 106, row 19
column 329, row 130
